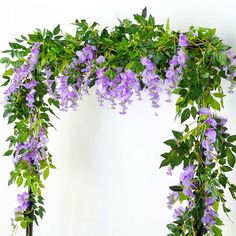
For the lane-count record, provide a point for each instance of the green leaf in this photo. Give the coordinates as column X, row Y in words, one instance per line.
column 23, row 137
column 56, row 30
column 52, row 166
column 221, row 58
column 172, row 227
column 223, row 180
column 11, row 119
column 213, row 103
column 17, row 46
column 193, row 112
column 176, row 188
column 219, row 221
column 6, row 113
column 23, row 224
column 46, row 173
column 231, row 157
column 144, row 12
column 232, row 190
column 19, row 181
column 11, row 138
column 210, row 33
column 177, row 134
column 231, row 138
column 8, row 153
column 219, row 95
column 226, row 168
column 185, row 115
column 170, row 142
column 168, row 25
column 217, row 231
column 41, row 90
column 165, row 162
column 8, row 72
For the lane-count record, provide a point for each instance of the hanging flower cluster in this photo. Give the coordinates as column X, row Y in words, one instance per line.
column 188, row 186
column 176, row 64
column 209, row 217
column 119, row 90
column 214, row 128
column 186, row 179
column 75, row 80
column 152, row 81
column 34, row 149
column 23, row 200
column 210, row 134
column 23, row 76
column 227, row 69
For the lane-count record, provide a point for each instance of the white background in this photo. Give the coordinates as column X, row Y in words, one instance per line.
column 107, row 181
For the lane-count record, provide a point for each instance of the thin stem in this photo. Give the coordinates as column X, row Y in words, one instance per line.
column 29, row 228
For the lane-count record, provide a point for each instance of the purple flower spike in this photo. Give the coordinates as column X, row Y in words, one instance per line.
column 172, row 199
column 22, row 73
column 175, row 71
column 186, row 179
column 148, row 63
column 223, row 121
column 183, row 41
column 204, row 111
column 23, row 200
column 100, row 60
column 178, row 212
column 169, row 171
column 212, row 122
column 181, row 58
column 211, row 134
column 208, row 218
column 152, row 81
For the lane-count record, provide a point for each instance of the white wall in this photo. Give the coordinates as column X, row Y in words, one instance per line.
column 107, row 181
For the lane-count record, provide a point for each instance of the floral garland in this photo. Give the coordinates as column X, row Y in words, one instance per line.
column 59, row 70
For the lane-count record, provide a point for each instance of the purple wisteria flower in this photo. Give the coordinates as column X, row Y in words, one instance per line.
column 212, row 122
column 22, row 73
column 100, row 60
column 169, row 171
column 230, row 77
column 178, row 212
column 186, row 179
column 119, row 90
column 50, row 81
column 23, row 200
column 33, row 59
column 172, row 199
column 223, row 121
column 175, row 71
column 211, row 135
column 69, row 94
column 66, row 92
column 208, row 218
column 128, row 83
column 176, row 65
column 103, row 87
column 147, row 63
column 30, row 97
column 181, row 58
column 152, row 81
column 33, row 149
column 87, row 54
column 183, row 41
column 204, row 111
